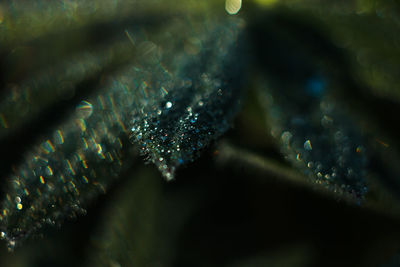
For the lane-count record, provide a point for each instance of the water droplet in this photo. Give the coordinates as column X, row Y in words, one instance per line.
column 84, row 110
column 307, row 145
column 233, row 6
column 326, row 121
column 286, row 137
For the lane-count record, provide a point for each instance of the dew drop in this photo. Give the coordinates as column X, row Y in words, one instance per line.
column 84, row 109
column 307, row 145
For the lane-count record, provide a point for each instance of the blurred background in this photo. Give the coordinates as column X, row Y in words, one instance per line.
column 240, row 204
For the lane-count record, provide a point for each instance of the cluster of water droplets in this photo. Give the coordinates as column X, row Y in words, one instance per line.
column 179, row 94
column 317, row 137
column 194, row 101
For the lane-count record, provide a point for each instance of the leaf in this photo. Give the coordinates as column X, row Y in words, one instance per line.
column 68, row 168
column 191, row 96
column 361, row 64
column 176, row 91
column 373, row 50
column 314, row 130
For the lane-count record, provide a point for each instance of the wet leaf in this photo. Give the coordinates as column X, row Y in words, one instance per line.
column 176, row 91
column 316, row 134
column 190, row 98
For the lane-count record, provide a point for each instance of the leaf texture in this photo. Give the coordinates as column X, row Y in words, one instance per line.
column 177, row 90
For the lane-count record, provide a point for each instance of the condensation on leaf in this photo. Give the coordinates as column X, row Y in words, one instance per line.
column 186, row 100
column 171, row 100
column 316, row 133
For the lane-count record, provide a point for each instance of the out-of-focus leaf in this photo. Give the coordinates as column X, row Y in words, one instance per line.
column 68, row 167
column 128, row 233
column 316, row 134
column 141, row 224
column 361, row 61
column 367, row 29
column 26, row 100
column 26, row 20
